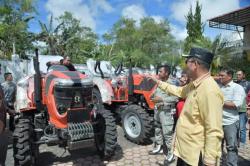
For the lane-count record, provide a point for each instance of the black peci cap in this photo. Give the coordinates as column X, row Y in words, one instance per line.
column 200, row 53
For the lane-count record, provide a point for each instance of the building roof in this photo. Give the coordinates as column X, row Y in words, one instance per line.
column 235, row 20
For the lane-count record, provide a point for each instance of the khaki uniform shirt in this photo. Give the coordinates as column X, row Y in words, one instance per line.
column 199, row 128
column 168, row 100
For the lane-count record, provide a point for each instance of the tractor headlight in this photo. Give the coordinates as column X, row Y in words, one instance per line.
column 70, row 82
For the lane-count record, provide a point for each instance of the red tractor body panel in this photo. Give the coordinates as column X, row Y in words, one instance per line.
column 142, row 86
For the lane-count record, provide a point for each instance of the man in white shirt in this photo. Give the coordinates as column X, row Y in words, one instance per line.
column 234, row 96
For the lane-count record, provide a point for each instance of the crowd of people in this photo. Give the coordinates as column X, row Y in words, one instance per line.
column 214, row 113
column 193, row 121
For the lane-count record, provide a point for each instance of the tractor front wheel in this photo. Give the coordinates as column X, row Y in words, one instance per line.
column 24, row 149
column 105, row 133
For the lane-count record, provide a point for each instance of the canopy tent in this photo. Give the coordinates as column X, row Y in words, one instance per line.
column 235, row 20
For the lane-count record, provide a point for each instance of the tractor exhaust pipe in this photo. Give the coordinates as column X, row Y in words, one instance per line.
column 130, row 82
column 37, row 82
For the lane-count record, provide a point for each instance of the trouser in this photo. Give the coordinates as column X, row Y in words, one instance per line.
column 3, row 148
column 11, row 123
column 11, row 111
column 181, row 162
column 243, row 129
column 164, row 123
column 230, row 136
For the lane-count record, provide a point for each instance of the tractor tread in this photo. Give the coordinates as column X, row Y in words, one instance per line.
column 22, row 150
column 110, row 134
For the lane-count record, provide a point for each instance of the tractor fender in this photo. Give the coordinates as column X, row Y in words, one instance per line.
column 105, row 89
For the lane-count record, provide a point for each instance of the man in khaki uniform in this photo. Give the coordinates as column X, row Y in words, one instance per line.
column 199, row 128
column 163, row 117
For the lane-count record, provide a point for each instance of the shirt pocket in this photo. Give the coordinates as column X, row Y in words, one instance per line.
column 228, row 94
column 191, row 107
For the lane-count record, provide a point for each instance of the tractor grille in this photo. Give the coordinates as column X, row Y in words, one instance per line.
column 72, row 97
column 79, row 131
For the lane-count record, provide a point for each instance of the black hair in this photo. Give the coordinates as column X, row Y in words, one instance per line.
column 228, row 71
column 243, row 71
column 6, row 75
column 166, row 68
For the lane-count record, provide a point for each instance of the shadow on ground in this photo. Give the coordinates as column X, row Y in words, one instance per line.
column 87, row 156
column 243, row 161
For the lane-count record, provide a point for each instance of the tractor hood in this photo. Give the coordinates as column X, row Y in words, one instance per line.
column 67, row 78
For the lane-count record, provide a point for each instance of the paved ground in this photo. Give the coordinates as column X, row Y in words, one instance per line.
column 126, row 154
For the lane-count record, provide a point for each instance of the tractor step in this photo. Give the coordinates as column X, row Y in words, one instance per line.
column 73, row 145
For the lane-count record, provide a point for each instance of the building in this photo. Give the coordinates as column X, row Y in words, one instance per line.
column 238, row 20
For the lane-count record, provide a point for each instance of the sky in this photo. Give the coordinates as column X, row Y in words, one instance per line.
column 100, row 15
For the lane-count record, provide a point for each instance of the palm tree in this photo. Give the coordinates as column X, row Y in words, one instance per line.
column 49, row 35
column 219, row 49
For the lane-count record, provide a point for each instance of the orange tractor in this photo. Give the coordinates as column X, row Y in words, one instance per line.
column 128, row 96
column 57, row 108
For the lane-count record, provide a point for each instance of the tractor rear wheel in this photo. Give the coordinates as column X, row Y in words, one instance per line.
column 137, row 124
column 24, row 149
column 105, row 133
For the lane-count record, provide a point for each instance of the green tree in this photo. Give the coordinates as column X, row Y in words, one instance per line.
column 49, row 35
column 198, row 25
column 148, row 43
column 222, row 53
column 14, row 35
column 69, row 38
column 76, row 41
column 194, row 27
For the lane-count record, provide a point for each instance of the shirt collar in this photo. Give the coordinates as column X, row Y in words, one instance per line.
column 199, row 80
column 229, row 84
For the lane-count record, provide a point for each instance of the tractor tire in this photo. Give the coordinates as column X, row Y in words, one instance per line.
column 97, row 99
column 24, row 150
column 137, row 124
column 105, row 133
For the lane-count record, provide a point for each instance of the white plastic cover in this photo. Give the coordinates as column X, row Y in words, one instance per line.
column 106, row 68
column 22, row 92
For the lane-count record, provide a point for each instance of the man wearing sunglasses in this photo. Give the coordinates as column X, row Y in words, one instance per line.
column 199, row 128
